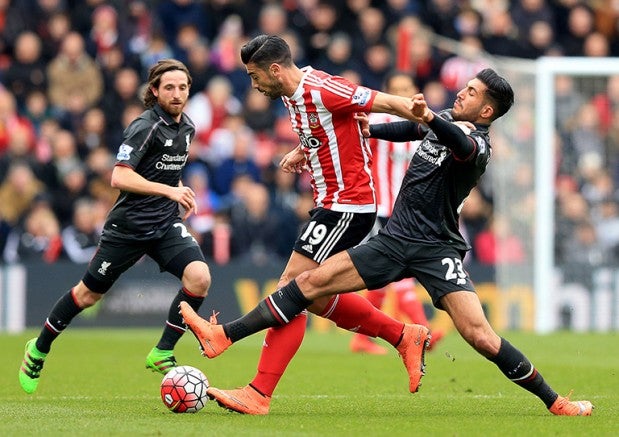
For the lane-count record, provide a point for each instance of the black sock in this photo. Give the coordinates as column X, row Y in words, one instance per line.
column 521, row 371
column 174, row 327
column 277, row 309
column 59, row 318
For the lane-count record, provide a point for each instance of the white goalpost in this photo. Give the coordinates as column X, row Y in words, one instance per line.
column 546, row 283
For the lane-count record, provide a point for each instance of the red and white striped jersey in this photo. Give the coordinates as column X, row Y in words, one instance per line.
column 390, row 161
column 338, row 156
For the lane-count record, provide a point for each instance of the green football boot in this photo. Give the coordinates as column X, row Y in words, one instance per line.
column 31, row 367
column 161, row 361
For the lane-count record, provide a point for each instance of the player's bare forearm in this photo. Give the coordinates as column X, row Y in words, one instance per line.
column 397, row 105
column 293, row 161
column 126, row 179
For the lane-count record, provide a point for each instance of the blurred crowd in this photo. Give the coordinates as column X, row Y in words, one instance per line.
column 71, row 75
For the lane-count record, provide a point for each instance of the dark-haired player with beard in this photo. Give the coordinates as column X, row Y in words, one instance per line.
column 421, row 240
column 145, row 220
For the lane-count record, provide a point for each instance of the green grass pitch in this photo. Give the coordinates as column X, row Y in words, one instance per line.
column 94, row 383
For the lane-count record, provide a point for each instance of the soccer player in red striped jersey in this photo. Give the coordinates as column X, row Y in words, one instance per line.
column 390, row 161
column 332, row 148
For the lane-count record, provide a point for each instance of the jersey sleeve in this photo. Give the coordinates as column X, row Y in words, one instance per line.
column 341, row 95
column 135, row 144
column 449, row 134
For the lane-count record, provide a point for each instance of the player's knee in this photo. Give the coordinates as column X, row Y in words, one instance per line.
column 313, row 284
column 197, row 278
column 85, row 298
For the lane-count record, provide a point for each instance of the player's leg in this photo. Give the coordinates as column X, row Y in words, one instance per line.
column 179, row 254
column 467, row 314
column 105, row 267
column 336, row 275
column 325, row 232
column 408, row 304
column 360, row 343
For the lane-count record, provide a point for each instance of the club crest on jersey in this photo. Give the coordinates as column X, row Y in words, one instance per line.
column 124, row 152
column 188, row 142
column 361, row 96
column 313, row 121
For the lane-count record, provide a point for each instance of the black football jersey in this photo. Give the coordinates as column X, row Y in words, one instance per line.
column 156, row 147
column 434, row 189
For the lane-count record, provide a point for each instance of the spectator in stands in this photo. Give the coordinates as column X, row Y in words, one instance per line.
column 425, row 62
column 371, row 30
column 500, row 35
column 37, row 239
column 240, row 163
column 80, row 238
column 58, row 27
column 525, row 13
column 498, row 245
column 606, row 103
column 27, row 71
column 73, row 71
column 456, row 70
column 139, row 25
column 187, row 36
column 201, row 224
column 100, row 163
column 272, row 19
column 104, row 33
column 606, row 224
column 209, row 108
column 580, row 25
column 583, row 253
column 338, row 55
column 256, row 228
column 200, row 66
column 37, row 109
column 74, row 186
column 596, row 45
column 436, row 95
column 17, row 192
column 157, row 49
column 92, row 133
column 377, row 62
column 64, row 159
column 571, row 210
column 474, row 218
column 539, row 41
column 567, row 102
column 322, row 23
column 11, row 120
column 440, row 16
column 173, row 14
column 125, row 91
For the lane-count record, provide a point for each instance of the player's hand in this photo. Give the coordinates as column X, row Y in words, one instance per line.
column 293, row 161
column 420, row 109
column 186, row 198
column 364, row 123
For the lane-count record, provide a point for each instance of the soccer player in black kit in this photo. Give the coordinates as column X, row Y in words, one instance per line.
column 421, row 239
column 147, row 219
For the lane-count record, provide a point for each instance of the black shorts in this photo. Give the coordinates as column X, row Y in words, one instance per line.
column 384, row 259
column 329, row 232
column 173, row 251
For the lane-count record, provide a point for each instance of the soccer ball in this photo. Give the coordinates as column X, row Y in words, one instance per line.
column 183, row 389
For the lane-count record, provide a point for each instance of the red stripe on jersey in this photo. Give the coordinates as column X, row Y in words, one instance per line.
column 390, row 162
column 339, row 158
